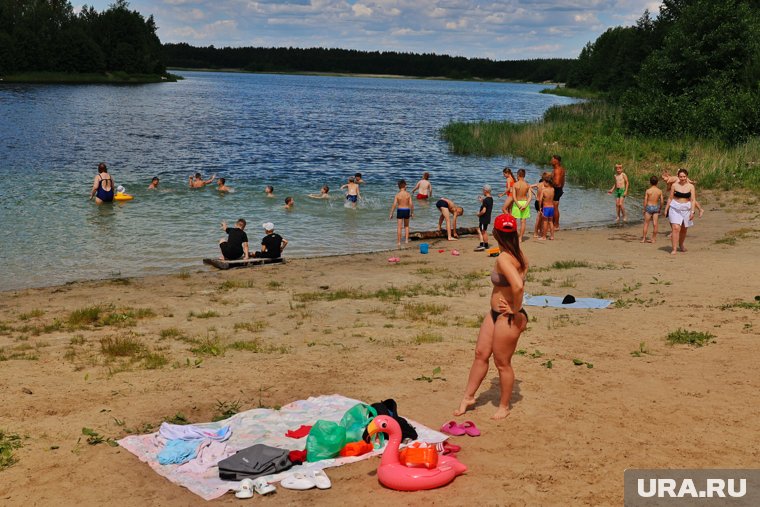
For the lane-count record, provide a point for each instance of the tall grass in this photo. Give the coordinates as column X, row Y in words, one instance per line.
column 591, row 139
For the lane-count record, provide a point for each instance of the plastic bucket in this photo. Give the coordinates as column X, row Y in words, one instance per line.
column 423, row 248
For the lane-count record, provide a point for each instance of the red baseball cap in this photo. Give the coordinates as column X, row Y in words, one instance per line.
column 505, row 223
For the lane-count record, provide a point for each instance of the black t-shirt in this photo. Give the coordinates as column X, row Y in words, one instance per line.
column 235, row 241
column 273, row 244
column 487, row 204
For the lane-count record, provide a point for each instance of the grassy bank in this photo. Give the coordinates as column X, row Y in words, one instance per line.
column 590, row 139
column 77, row 78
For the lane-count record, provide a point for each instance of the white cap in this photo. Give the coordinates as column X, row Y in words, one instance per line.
column 268, row 226
column 120, row 189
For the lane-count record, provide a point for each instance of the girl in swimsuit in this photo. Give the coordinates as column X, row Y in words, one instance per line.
column 505, row 321
column 102, row 187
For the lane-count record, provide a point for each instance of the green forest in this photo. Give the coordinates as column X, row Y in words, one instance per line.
column 694, row 70
column 364, row 62
column 47, row 36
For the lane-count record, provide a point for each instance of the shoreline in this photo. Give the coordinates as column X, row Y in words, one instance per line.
column 119, row 358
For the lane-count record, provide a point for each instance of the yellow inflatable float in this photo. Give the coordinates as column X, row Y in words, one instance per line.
column 121, row 196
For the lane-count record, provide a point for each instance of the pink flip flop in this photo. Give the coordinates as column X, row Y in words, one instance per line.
column 394, row 259
column 470, row 429
column 452, row 428
column 447, row 448
column 455, row 252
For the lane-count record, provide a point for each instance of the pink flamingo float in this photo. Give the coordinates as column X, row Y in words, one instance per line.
column 392, row 474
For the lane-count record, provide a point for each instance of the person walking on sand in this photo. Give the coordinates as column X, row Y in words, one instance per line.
column 548, row 208
column 521, row 197
column 558, row 179
column 652, row 208
column 352, row 191
column 102, row 186
column 404, row 207
column 236, row 245
column 423, row 187
column 197, row 181
column 504, row 322
column 484, row 217
column 680, row 209
column 621, row 191
column 449, row 212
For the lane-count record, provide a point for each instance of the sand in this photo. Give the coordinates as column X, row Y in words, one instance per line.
column 572, row 432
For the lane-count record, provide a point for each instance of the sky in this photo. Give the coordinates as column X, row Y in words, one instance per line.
column 496, row 29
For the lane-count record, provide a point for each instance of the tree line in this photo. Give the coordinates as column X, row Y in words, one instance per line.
column 694, row 70
column 259, row 59
column 46, row 35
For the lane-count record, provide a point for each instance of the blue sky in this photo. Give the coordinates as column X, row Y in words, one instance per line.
column 497, row 29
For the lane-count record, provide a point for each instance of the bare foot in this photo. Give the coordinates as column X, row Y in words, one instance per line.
column 643, row 240
column 551, row 239
column 541, row 238
column 673, row 252
column 466, row 404
column 653, row 241
column 682, row 248
column 453, row 239
column 501, row 413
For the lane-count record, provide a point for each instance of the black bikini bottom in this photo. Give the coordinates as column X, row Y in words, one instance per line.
column 510, row 316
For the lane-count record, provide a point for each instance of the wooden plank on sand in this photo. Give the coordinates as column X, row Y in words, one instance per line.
column 461, row 231
column 241, row 263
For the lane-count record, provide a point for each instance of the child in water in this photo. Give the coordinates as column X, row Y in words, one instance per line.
column 652, row 206
column 153, row 183
column 323, row 193
column 289, row 202
column 220, row 185
column 405, row 211
column 352, row 191
column 269, row 191
column 621, row 191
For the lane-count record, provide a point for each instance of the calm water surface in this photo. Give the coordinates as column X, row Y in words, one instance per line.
column 294, row 132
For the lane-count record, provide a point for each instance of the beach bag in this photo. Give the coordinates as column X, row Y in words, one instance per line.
column 356, row 419
column 254, row 461
column 325, row 440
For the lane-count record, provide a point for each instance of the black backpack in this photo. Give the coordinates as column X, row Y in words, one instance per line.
column 253, row 462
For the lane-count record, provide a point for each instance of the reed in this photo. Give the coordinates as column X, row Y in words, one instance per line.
column 590, row 138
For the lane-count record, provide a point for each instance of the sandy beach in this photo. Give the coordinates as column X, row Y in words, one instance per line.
column 122, row 356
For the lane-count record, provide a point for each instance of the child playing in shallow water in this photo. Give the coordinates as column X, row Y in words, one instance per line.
column 652, row 206
column 269, row 191
column 289, row 202
column 323, row 193
column 621, row 191
column 547, row 207
column 404, row 207
column 352, row 191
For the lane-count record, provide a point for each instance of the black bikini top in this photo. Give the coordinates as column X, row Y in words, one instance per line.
column 681, row 195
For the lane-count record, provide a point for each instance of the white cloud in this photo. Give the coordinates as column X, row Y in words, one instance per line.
column 361, row 10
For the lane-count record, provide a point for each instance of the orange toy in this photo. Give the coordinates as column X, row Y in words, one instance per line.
column 419, row 455
column 356, row 449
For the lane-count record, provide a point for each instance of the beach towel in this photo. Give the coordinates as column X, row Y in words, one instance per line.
column 556, row 302
column 258, row 426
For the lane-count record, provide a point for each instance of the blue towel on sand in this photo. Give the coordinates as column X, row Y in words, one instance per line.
column 176, row 452
column 556, row 302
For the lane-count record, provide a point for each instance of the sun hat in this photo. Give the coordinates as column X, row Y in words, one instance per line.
column 268, row 226
column 505, row 223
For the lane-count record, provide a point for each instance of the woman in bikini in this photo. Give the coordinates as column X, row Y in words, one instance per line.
column 102, row 187
column 680, row 209
column 505, row 321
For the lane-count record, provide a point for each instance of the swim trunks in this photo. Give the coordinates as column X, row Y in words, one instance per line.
column 403, row 213
column 558, row 191
column 548, row 212
column 441, row 204
column 483, row 224
column 619, row 192
column 423, row 196
column 351, row 198
column 652, row 209
column 518, row 213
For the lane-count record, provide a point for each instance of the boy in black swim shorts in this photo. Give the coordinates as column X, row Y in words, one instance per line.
column 404, row 207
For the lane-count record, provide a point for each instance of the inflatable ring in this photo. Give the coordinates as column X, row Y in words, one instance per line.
column 122, row 197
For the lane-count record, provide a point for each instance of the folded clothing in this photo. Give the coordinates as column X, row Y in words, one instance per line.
column 178, row 451
column 253, row 462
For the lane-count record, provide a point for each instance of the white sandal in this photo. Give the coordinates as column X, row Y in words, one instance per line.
column 246, row 489
column 321, row 480
column 262, row 487
column 297, row 481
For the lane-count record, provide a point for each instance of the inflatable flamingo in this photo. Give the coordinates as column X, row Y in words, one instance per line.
column 392, row 474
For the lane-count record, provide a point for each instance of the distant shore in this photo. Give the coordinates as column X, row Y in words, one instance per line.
column 84, row 78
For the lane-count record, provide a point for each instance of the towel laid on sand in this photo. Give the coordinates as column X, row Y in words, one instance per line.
column 258, row 426
column 556, row 302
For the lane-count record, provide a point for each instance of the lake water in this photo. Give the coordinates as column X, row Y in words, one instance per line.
column 294, row 132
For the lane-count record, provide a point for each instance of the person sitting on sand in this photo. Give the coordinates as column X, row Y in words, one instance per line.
column 621, row 191
column 269, row 191
column 449, row 212
column 272, row 244
column 352, row 191
column 153, row 183
column 289, row 202
column 102, row 186
column 222, row 187
column 324, row 193
column 236, row 245
column 402, row 201
column 504, row 323
column 197, row 181
column 423, row 187
column 652, row 208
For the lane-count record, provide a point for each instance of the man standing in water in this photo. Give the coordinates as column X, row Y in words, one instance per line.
column 558, row 177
